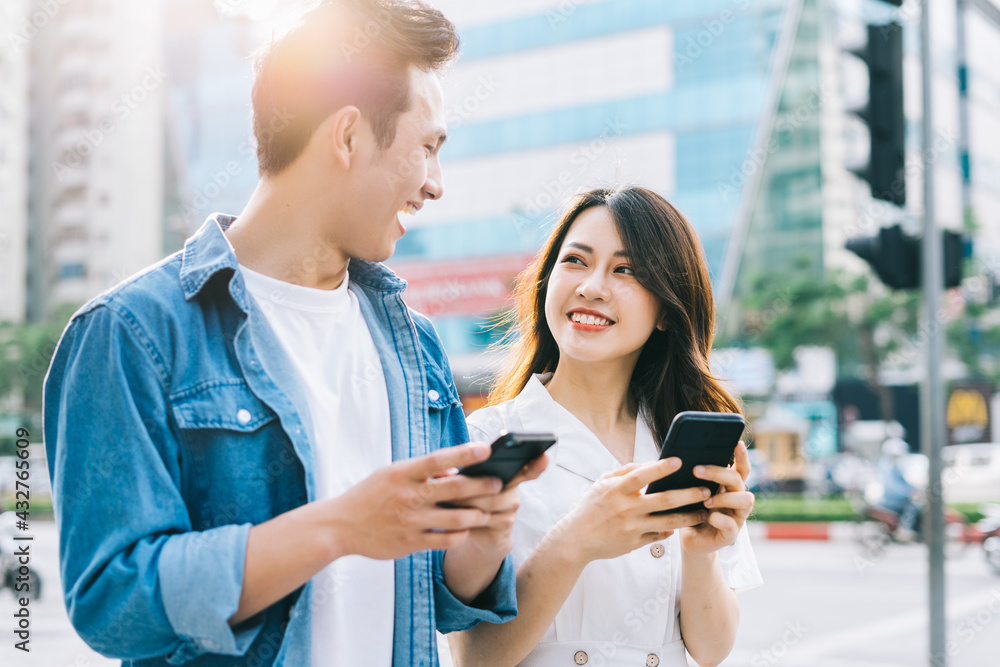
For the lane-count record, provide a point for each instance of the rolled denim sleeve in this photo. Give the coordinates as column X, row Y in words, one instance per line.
column 496, row 604
column 139, row 582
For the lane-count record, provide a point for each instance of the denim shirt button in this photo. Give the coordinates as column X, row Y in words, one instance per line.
column 433, row 395
column 243, row 416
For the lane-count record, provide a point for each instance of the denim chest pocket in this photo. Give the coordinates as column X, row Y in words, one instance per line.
column 443, row 404
column 240, row 461
column 441, row 393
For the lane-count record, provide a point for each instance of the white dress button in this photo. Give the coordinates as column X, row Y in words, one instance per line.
column 652, row 660
column 581, row 658
column 433, row 395
column 656, row 550
column 243, row 416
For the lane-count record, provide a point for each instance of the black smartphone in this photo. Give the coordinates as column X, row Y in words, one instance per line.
column 698, row 438
column 510, row 453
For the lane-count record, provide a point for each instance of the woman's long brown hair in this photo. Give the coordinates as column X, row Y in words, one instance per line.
column 672, row 373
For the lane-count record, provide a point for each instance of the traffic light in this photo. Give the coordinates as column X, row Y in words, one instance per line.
column 883, row 54
column 895, row 257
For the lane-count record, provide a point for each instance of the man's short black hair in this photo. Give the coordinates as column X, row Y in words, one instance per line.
column 343, row 52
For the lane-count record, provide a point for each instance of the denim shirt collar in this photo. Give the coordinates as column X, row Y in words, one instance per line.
column 208, row 252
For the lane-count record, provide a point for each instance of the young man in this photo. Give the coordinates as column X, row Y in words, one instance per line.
column 245, row 436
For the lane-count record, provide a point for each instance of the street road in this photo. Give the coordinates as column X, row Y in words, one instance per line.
column 823, row 604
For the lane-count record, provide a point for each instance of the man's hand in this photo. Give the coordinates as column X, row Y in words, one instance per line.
column 394, row 511
column 470, row 566
column 497, row 535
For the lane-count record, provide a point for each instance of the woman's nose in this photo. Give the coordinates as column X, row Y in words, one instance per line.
column 593, row 286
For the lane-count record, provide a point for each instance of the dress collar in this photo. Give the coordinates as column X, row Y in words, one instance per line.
column 578, row 449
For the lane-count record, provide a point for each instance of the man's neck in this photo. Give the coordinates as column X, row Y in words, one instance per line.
column 279, row 235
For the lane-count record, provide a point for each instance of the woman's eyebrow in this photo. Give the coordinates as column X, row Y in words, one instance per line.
column 586, row 248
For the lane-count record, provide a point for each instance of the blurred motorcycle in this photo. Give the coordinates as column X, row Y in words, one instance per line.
column 888, row 528
column 988, row 531
column 10, row 575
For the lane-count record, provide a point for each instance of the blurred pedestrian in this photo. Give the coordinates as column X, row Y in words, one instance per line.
column 614, row 328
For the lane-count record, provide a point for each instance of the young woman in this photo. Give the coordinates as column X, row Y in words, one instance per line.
column 615, row 325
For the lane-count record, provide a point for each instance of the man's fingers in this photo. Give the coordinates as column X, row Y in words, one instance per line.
column 441, row 541
column 460, row 487
column 438, row 463
column 495, row 504
column 449, row 519
column 645, row 474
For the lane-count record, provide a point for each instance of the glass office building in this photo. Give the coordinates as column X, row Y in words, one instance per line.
column 715, row 105
column 734, row 110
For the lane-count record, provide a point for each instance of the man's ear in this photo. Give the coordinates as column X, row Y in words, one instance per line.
column 344, row 135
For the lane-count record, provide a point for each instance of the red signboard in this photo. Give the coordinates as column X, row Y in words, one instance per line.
column 473, row 287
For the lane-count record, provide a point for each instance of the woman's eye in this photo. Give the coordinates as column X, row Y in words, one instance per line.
column 572, row 258
column 626, row 270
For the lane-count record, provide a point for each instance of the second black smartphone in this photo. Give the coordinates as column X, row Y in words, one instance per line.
column 510, row 453
column 698, row 438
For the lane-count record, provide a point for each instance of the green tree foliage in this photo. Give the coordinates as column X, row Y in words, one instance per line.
column 863, row 322
column 25, row 353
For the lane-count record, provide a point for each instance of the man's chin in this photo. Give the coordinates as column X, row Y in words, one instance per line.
column 377, row 254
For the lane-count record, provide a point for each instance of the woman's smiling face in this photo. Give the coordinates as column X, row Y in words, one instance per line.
column 594, row 306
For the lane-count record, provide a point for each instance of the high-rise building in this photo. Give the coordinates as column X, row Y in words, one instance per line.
column 550, row 98
column 97, row 147
column 209, row 123
column 14, row 113
column 736, row 111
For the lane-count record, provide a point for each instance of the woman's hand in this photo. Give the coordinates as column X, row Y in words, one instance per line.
column 614, row 517
column 727, row 510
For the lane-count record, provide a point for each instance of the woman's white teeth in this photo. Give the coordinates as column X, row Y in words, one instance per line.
column 580, row 318
column 408, row 209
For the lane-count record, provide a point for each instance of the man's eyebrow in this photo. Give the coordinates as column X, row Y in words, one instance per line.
column 586, row 248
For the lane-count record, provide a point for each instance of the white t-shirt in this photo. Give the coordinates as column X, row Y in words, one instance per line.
column 622, row 611
column 328, row 341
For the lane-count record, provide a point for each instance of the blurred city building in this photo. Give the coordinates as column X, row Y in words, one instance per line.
column 552, row 98
column 14, row 112
column 737, row 111
column 97, row 151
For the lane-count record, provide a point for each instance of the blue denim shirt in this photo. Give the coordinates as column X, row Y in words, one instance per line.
column 158, row 475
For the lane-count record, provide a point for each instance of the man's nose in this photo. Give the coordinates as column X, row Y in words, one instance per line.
column 434, row 185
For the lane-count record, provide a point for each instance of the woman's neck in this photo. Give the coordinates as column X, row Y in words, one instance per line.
column 596, row 395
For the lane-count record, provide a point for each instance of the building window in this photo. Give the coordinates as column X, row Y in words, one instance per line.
column 74, row 270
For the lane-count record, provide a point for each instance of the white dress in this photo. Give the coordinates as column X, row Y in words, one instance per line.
column 622, row 611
